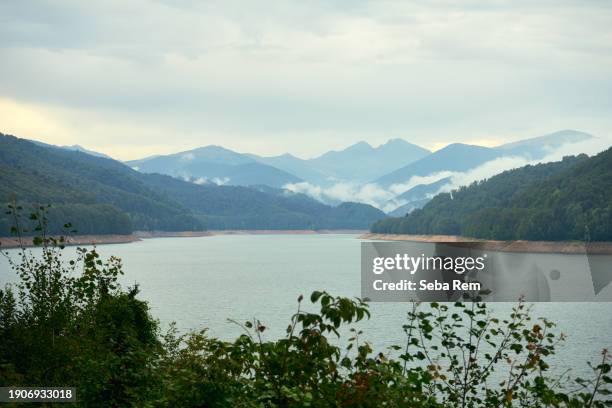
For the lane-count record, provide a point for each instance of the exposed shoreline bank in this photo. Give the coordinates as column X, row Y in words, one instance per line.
column 210, row 233
column 12, row 242
column 576, row 247
column 553, row 247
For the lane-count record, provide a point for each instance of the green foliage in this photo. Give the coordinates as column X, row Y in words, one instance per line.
column 68, row 323
column 567, row 200
column 104, row 196
column 454, row 356
column 260, row 207
column 99, row 195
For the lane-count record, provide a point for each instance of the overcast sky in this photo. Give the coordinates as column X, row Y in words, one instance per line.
column 301, row 76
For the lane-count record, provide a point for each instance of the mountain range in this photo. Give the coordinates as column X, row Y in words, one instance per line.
column 390, row 166
column 215, row 164
column 564, row 200
column 102, row 196
column 358, row 163
column 387, row 166
column 459, row 157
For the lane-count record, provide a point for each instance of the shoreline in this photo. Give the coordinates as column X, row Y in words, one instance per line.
column 13, row 242
column 539, row 247
column 543, row 247
column 287, row 232
column 212, row 233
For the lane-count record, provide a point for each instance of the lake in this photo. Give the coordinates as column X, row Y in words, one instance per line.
column 200, row 282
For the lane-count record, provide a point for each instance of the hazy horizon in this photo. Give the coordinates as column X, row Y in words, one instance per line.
column 596, row 145
column 159, row 77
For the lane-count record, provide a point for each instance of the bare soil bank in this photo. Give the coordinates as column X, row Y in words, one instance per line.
column 560, row 247
column 11, row 242
column 285, row 232
column 161, row 234
column 167, row 234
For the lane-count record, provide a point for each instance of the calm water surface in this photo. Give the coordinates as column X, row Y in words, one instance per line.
column 201, row 282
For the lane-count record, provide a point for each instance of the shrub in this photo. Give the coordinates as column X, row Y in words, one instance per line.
column 69, row 323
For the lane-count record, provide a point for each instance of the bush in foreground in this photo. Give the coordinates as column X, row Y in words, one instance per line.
column 67, row 322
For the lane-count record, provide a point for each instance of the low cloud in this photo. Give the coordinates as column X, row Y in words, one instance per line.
column 187, row 157
column 370, row 193
column 499, row 165
column 220, row 180
column 203, row 180
column 414, row 181
column 387, row 199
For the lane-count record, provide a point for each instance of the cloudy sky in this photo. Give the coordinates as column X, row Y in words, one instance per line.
column 136, row 78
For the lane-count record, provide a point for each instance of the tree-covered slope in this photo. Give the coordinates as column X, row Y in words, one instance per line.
column 236, row 207
column 99, row 196
column 566, row 200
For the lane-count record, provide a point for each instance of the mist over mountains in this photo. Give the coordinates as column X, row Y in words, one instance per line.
column 357, row 163
column 215, row 164
column 396, row 176
column 566, row 200
column 103, row 196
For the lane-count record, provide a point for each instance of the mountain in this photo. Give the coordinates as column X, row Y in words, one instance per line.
column 566, row 200
column 462, row 157
column 97, row 195
column 362, row 162
column 357, row 163
column 422, row 190
column 80, row 148
column 101, row 196
column 408, row 207
column 74, row 147
column 455, row 157
column 538, row 147
column 215, row 164
column 301, row 168
column 416, row 197
column 263, row 207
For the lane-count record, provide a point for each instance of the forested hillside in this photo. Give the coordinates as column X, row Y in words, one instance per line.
column 567, row 200
column 102, row 196
column 236, row 207
column 96, row 195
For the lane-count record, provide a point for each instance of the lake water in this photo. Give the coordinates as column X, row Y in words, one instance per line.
column 201, row 282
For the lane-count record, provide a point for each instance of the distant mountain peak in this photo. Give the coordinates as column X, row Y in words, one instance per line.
column 461, row 146
column 362, row 146
column 399, row 143
column 212, row 148
column 395, row 141
column 554, row 139
column 214, row 163
column 77, row 148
